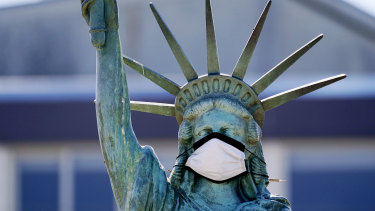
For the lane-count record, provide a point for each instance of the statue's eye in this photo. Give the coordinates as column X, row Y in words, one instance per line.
column 224, row 130
column 229, row 131
column 204, row 132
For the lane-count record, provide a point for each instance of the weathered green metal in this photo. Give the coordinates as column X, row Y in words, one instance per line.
column 154, row 108
column 215, row 102
column 219, row 86
column 155, row 77
column 243, row 62
column 119, row 145
column 284, row 97
column 263, row 82
column 182, row 60
column 212, row 56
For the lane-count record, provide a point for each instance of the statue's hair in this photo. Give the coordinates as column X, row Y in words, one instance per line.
column 185, row 133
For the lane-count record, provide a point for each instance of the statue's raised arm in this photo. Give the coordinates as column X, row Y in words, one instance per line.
column 119, row 145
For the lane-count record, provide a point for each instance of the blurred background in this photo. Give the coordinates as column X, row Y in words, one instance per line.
column 323, row 144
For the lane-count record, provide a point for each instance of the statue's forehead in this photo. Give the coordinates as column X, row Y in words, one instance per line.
column 221, row 107
column 218, row 118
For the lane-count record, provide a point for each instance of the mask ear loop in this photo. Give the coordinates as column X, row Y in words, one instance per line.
column 178, row 169
column 183, row 153
column 260, row 159
column 187, row 150
column 178, row 158
column 263, row 175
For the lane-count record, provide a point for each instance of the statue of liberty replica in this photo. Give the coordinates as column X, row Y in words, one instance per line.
column 220, row 165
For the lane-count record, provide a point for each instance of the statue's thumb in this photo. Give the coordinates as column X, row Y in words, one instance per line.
column 94, row 16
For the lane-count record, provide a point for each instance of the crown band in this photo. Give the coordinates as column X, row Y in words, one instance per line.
column 218, row 86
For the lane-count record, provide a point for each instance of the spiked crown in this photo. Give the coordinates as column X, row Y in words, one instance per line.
column 215, row 84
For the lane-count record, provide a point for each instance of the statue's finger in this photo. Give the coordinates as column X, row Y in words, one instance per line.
column 97, row 24
column 98, row 39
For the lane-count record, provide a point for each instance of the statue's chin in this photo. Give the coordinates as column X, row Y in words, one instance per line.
column 275, row 203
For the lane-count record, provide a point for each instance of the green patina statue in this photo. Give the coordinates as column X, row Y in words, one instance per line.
column 220, row 164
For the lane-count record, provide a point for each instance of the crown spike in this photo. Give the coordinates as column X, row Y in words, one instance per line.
column 184, row 63
column 153, row 108
column 284, row 97
column 212, row 55
column 155, row 77
column 267, row 79
column 244, row 60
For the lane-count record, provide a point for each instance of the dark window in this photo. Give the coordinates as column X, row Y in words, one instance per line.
column 93, row 191
column 38, row 188
column 333, row 189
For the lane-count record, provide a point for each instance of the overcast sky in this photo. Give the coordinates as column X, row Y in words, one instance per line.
column 365, row 5
column 9, row 3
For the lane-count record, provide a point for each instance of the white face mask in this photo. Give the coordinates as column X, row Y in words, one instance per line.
column 217, row 157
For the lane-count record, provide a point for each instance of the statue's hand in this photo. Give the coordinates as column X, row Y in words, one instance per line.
column 100, row 15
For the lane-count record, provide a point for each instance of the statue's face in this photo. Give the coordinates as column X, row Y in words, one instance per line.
column 220, row 121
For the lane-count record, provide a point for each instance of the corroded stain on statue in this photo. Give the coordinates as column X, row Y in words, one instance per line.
column 220, row 165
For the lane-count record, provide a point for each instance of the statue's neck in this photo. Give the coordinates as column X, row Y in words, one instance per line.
column 216, row 195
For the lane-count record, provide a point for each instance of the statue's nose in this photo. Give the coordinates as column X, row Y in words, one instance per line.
column 218, row 129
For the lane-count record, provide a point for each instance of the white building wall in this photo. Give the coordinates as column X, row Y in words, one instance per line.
column 7, row 180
